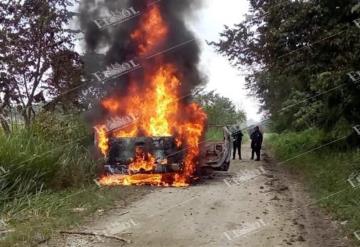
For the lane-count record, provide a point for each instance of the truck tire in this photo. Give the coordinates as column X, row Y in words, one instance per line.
column 225, row 166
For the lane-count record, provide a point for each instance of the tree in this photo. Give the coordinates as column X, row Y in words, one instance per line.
column 37, row 61
column 220, row 110
column 299, row 54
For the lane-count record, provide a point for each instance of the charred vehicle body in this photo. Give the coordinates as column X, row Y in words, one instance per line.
column 217, row 154
column 129, row 155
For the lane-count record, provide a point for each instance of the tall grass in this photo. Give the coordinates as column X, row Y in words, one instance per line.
column 325, row 170
column 51, row 155
column 46, row 175
column 288, row 144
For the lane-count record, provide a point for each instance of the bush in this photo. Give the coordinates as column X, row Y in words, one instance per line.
column 215, row 134
column 292, row 143
column 326, row 170
column 52, row 154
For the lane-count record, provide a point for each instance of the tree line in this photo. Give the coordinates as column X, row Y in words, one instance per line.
column 220, row 110
column 37, row 59
column 299, row 54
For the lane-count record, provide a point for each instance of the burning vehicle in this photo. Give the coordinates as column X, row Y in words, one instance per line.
column 160, row 142
column 162, row 155
column 149, row 155
column 144, row 155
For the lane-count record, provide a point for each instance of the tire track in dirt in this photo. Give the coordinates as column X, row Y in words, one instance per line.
column 253, row 204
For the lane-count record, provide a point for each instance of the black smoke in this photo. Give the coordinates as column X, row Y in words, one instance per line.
column 117, row 46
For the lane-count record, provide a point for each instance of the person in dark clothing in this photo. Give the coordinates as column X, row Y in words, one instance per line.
column 237, row 139
column 256, row 142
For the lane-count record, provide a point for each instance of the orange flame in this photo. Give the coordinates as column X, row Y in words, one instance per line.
column 102, row 139
column 152, row 32
column 110, row 104
column 159, row 113
column 143, row 162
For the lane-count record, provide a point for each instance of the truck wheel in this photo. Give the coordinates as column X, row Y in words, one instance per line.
column 225, row 166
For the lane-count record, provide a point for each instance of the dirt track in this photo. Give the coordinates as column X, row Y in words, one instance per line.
column 254, row 204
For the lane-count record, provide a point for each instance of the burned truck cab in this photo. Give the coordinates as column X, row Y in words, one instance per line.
column 143, row 155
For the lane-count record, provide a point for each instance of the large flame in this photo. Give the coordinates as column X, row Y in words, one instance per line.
column 142, row 162
column 157, row 112
column 152, row 31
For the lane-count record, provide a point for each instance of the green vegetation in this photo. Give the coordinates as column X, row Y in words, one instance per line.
column 46, row 163
column 45, row 172
column 41, row 65
column 46, row 179
column 299, row 54
column 215, row 134
column 44, row 214
column 325, row 170
column 220, row 110
column 50, row 155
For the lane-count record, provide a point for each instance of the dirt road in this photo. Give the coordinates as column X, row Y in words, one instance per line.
column 253, row 204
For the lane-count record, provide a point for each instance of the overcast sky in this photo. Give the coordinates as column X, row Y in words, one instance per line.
column 223, row 78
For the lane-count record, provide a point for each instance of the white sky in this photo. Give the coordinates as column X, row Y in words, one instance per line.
column 223, row 78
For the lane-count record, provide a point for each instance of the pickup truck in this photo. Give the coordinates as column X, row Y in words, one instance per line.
column 167, row 157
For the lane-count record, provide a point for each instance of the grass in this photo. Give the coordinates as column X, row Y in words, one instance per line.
column 41, row 171
column 49, row 212
column 46, row 180
column 37, row 159
column 326, row 171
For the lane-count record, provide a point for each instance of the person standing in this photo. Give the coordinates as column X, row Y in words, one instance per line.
column 256, row 142
column 237, row 140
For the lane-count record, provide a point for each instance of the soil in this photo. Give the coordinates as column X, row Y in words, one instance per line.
column 255, row 203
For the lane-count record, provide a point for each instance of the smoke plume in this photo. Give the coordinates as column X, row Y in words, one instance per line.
column 179, row 48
